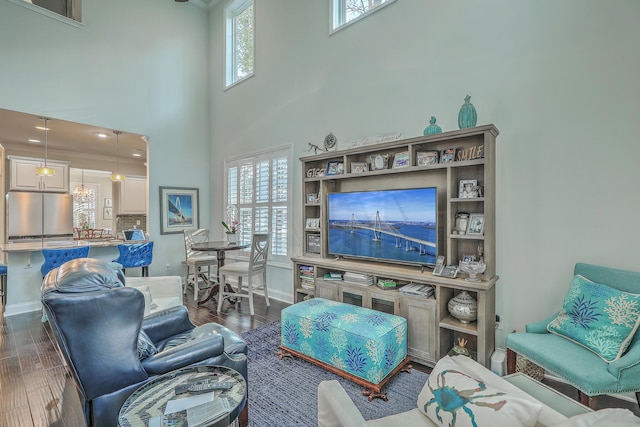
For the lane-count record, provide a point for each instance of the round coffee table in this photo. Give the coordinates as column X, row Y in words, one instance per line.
column 149, row 401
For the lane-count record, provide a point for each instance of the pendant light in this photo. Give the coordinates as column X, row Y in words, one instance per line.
column 44, row 170
column 116, row 175
column 82, row 193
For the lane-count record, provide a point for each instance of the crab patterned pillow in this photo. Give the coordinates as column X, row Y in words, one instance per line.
column 453, row 398
column 598, row 317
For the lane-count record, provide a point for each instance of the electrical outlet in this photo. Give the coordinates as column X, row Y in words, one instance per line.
column 138, row 222
column 167, row 266
column 498, row 322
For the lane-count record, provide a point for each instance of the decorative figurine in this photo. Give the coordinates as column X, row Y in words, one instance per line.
column 330, row 142
column 314, row 147
column 467, row 117
column 433, row 128
column 460, row 348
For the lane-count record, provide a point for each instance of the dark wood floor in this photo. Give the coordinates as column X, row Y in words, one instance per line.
column 35, row 389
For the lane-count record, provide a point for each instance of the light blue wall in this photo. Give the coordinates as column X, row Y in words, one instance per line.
column 140, row 66
column 558, row 79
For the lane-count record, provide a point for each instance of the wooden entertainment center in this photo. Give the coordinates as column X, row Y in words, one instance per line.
column 432, row 331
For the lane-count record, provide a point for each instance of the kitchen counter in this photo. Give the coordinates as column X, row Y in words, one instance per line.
column 18, row 246
column 23, row 268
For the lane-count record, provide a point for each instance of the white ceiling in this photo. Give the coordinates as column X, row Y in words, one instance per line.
column 17, row 128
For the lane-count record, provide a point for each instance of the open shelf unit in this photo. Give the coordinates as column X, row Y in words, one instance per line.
column 475, row 160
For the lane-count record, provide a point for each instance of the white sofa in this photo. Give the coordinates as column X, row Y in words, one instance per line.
column 159, row 292
column 335, row 408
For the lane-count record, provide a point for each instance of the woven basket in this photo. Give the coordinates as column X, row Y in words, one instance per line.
column 527, row 367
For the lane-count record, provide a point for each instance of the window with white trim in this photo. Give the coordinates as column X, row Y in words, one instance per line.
column 239, row 40
column 258, row 186
column 345, row 12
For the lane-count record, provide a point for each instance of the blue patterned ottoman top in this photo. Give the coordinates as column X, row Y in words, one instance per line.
column 366, row 343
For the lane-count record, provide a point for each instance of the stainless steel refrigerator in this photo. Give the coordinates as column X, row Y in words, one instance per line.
column 32, row 215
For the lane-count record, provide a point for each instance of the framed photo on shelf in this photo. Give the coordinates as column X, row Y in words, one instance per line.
column 424, row 158
column 313, row 198
column 359, row 167
column 107, row 213
column 179, row 209
column 448, row 155
column 476, row 224
column 401, row 160
column 379, row 161
column 334, row 168
column 468, row 189
column 313, row 243
column 312, row 223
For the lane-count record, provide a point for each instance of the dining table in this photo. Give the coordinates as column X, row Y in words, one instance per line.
column 220, row 247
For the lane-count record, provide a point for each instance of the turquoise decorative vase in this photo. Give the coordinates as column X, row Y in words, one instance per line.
column 467, row 117
column 433, row 128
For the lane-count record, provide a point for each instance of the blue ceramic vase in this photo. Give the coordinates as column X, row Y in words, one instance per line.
column 433, row 128
column 467, row 117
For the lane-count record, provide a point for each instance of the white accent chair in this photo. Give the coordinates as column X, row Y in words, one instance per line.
column 160, row 292
column 199, row 265
column 257, row 264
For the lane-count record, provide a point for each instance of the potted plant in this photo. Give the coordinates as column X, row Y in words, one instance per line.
column 231, row 231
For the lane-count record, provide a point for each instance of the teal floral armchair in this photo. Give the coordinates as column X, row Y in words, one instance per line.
column 592, row 343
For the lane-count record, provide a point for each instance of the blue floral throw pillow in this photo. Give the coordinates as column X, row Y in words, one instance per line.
column 598, row 317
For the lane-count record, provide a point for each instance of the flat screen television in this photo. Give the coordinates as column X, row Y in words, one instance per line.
column 390, row 225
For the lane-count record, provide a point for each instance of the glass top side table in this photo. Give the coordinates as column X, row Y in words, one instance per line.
column 150, row 400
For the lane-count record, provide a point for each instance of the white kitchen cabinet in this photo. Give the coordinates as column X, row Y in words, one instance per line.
column 23, row 175
column 133, row 195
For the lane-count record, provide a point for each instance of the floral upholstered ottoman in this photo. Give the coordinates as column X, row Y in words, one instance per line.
column 366, row 346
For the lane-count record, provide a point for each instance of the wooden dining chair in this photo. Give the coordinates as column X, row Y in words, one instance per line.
column 257, row 265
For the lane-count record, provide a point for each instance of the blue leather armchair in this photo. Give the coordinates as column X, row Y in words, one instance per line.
column 97, row 322
column 581, row 368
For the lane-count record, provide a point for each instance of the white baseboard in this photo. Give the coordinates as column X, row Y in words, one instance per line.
column 25, row 307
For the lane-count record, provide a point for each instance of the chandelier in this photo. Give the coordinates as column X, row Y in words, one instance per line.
column 82, row 193
column 44, row 170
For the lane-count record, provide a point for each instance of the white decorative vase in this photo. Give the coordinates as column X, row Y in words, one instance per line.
column 463, row 307
column 232, row 238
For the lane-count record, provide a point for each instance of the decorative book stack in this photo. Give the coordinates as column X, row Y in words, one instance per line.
column 417, row 289
column 358, row 279
column 386, row 284
column 306, row 277
column 334, row 275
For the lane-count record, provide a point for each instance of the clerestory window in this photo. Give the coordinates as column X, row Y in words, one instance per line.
column 346, row 12
column 239, row 41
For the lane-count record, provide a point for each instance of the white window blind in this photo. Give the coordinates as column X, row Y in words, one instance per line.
column 259, row 188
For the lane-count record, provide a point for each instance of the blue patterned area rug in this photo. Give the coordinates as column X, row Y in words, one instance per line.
column 284, row 392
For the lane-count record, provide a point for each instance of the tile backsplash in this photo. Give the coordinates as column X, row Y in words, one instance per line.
column 127, row 222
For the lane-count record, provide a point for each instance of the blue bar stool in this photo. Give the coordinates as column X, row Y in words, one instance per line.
column 3, row 283
column 135, row 255
column 54, row 258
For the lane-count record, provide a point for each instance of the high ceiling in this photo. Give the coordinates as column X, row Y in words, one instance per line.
column 16, row 129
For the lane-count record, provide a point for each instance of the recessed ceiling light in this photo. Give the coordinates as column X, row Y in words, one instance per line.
column 34, row 140
column 101, row 134
column 137, row 155
column 42, row 128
